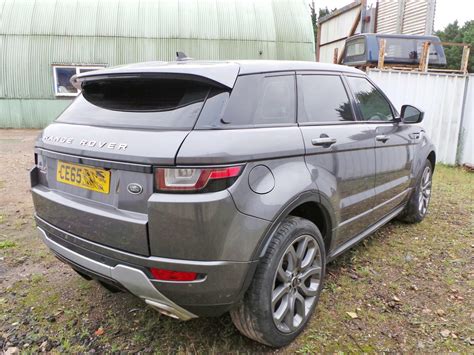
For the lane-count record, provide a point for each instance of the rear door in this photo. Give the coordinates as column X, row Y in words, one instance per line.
column 96, row 161
column 393, row 148
column 339, row 150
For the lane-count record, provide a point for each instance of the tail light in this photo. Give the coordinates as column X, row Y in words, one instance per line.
column 171, row 275
column 196, row 179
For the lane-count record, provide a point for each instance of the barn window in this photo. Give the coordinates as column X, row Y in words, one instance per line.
column 62, row 78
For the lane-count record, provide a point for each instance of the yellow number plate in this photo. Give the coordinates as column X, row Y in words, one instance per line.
column 84, row 176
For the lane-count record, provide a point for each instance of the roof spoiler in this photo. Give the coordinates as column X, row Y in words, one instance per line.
column 220, row 75
column 78, row 81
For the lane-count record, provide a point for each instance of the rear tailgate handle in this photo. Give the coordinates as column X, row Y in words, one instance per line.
column 325, row 142
column 382, row 138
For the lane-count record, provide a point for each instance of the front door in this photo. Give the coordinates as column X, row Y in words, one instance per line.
column 340, row 152
column 393, row 148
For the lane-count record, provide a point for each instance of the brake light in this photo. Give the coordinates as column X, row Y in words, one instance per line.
column 171, row 275
column 194, row 179
column 232, row 171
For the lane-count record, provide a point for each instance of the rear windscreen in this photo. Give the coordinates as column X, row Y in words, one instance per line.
column 407, row 50
column 138, row 102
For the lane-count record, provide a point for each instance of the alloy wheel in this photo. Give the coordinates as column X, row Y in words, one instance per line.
column 296, row 284
column 425, row 191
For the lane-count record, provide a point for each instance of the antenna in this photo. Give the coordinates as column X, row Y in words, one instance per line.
column 181, row 56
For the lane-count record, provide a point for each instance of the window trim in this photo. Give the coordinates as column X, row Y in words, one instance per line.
column 359, row 117
column 77, row 67
column 344, row 85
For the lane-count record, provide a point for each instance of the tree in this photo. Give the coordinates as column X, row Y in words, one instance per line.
column 454, row 33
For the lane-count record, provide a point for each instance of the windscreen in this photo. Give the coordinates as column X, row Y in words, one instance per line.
column 161, row 103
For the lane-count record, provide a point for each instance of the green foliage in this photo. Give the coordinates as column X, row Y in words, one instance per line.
column 7, row 244
column 455, row 33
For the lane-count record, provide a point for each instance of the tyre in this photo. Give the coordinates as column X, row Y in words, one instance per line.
column 417, row 206
column 286, row 286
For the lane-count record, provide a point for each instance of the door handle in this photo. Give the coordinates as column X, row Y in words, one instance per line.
column 325, row 142
column 415, row 135
column 382, row 138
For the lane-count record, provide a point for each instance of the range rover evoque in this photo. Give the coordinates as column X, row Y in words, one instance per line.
column 209, row 187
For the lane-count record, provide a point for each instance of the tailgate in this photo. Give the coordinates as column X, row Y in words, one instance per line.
column 111, row 215
column 94, row 171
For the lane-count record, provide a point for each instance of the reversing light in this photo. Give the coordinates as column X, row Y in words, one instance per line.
column 194, row 179
column 171, row 275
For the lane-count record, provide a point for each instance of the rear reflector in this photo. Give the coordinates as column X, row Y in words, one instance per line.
column 171, row 275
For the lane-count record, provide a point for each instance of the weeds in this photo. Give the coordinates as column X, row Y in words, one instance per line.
column 7, row 244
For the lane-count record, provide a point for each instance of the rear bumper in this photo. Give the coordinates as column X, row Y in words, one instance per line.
column 124, row 230
column 134, row 280
column 222, row 286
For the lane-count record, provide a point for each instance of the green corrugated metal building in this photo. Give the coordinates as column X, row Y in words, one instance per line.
column 44, row 42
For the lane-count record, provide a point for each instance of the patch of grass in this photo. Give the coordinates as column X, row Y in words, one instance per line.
column 418, row 264
column 36, row 278
column 5, row 244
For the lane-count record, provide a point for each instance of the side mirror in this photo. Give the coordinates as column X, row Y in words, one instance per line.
column 410, row 114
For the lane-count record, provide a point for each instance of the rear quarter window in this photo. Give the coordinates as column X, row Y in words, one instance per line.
column 256, row 100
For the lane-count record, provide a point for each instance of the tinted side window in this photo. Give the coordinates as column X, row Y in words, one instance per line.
column 323, row 98
column 372, row 105
column 257, row 100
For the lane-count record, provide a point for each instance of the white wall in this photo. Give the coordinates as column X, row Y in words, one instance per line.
column 442, row 98
column 333, row 33
column 467, row 130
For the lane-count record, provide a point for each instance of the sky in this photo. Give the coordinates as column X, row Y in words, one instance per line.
column 446, row 10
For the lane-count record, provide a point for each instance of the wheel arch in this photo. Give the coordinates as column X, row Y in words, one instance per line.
column 302, row 205
column 432, row 158
column 310, row 205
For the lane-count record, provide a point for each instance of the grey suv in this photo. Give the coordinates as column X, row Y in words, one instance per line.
column 208, row 187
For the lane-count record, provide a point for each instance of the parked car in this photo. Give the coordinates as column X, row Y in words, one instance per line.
column 208, row 187
column 363, row 50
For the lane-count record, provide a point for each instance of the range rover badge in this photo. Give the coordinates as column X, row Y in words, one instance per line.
column 135, row 189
